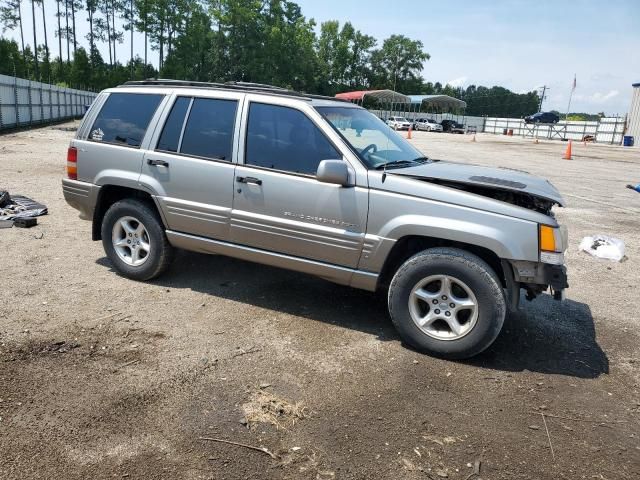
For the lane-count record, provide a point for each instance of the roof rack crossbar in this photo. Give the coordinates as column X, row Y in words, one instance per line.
column 241, row 86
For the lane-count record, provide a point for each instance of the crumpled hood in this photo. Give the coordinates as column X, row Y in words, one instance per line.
column 498, row 178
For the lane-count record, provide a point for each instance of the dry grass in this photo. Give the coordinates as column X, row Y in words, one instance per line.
column 265, row 407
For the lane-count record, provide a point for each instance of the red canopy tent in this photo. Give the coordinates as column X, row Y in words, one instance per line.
column 383, row 96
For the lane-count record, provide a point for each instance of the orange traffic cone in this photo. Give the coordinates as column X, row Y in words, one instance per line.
column 567, row 153
column 409, row 132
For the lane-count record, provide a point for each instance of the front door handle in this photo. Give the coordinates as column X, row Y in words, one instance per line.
column 253, row 180
column 159, row 163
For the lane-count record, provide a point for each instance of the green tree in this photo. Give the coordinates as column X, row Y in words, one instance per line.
column 498, row 101
column 91, row 7
column 288, row 47
column 11, row 17
column 128, row 15
column 239, row 38
column 190, row 57
column 344, row 56
column 35, row 40
column 76, row 5
column 80, row 68
column 142, row 15
column 46, row 57
column 59, row 31
column 12, row 60
column 398, row 64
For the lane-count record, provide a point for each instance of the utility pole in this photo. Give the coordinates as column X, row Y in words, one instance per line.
column 544, row 90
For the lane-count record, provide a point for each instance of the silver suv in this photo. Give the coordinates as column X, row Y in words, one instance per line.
column 319, row 186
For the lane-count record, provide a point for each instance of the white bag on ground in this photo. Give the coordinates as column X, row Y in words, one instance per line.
column 602, row 246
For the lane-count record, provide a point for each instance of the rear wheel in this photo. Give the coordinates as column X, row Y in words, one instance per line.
column 134, row 240
column 447, row 302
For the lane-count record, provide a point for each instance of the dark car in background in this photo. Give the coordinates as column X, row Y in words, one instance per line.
column 452, row 126
column 542, row 117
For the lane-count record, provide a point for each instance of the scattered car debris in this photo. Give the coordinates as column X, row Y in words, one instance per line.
column 603, row 246
column 229, row 442
column 18, row 206
column 59, row 347
column 25, row 222
column 5, row 198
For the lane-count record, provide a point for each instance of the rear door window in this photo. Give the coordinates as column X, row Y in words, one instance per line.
column 124, row 118
column 170, row 138
column 209, row 129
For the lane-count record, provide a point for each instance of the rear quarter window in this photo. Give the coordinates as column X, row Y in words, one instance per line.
column 124, row 118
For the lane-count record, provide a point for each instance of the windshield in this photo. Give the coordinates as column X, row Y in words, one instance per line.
column 377, row 145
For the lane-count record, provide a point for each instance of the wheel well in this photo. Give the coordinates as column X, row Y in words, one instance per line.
column 408, row 246
column 110, row 194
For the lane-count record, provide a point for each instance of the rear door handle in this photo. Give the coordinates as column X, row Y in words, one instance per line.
column 253, row 180
column 159, row 163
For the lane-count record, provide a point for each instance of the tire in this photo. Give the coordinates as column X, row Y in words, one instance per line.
column 153, row 252
column 409, row 297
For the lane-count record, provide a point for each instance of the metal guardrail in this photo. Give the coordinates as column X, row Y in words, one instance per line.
column 26, row 103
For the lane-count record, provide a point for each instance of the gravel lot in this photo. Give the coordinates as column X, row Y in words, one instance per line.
column 102, row 377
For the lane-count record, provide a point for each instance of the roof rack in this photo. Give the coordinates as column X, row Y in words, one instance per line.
column 242, row 86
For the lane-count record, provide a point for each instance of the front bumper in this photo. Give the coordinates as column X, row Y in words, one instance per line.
column 535, row 278
column 82, row 196
column 555, row 276
column 540, row 273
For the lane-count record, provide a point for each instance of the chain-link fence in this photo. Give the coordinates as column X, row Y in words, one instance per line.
column 24, row 102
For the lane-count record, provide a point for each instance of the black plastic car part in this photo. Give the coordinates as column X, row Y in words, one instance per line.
column 25, row 222
column 5, row 198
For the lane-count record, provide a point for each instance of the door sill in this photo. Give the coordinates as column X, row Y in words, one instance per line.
column 333, row 273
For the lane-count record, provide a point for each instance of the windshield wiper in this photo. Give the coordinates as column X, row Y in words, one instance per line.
column 401, row 163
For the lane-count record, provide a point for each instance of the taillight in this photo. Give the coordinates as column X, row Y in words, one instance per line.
column 72, row 163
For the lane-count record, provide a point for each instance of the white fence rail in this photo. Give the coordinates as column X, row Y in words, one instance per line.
column 25, row 103
column 607, row 130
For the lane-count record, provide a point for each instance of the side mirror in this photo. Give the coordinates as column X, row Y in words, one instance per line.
column 334, row 171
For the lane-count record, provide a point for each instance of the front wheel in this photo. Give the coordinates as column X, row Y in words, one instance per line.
column 447, row 302
column 134, row 240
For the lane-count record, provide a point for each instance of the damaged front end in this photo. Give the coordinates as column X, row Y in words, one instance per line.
column 517, row 198
column 522, row 190
column 535, row 278
column 511, row 186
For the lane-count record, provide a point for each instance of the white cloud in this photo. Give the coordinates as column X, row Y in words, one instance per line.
column 601, row 98
column 457, row 82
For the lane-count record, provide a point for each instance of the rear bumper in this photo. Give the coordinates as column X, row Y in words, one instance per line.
column 81, row 195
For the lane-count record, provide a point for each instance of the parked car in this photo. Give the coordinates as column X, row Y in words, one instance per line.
column 452, row 126
column 319, row 186
column 427, row 124
column 542, row 117
column 399, row 123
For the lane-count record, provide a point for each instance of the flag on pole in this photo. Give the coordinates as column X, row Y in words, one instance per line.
column 574, row 83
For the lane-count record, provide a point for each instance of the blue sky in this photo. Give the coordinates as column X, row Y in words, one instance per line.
column 517, row 44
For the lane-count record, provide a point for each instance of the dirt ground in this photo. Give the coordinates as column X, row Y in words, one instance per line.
column 102, row 377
